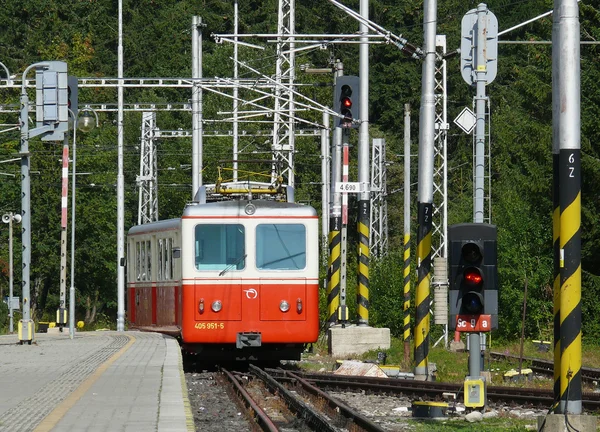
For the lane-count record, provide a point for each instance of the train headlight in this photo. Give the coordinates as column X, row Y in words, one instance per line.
column 201, row 306
column 217, row 306
column 299, row 305
column 284, row 306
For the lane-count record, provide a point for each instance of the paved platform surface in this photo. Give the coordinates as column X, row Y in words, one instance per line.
column 97, row 381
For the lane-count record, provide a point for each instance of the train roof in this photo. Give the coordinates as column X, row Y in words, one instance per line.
column 163, row 225
column 257, row 208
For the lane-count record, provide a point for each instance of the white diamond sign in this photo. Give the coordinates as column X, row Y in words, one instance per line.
column 466, row 120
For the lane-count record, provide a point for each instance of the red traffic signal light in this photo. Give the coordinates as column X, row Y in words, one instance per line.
column 473, row 292
column 346, row 101
column 472, row 301
column 473, row 277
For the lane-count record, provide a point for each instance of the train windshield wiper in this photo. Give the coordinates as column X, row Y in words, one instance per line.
column 234, row 264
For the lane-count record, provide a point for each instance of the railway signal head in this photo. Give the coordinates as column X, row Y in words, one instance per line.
column 73, row 91
column 473, row 290
column 347, row 101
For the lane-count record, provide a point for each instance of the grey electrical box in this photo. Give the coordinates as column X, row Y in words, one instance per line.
column 13, row 303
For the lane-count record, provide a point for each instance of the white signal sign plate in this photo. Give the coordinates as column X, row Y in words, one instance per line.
column 473, row 323
column 348, row 187
column 466, row 120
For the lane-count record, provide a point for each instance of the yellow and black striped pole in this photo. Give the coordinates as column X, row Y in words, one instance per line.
column 425, row 189
column 406, row 233
column 555, row 197
column 334, row 275
column 556, row 285
column 570, row 281
column 422, row 299
column 406, row 296
column 362, row 294
column 333, row 269
column 569, row 171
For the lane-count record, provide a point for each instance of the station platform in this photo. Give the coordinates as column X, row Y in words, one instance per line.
column 97, row 381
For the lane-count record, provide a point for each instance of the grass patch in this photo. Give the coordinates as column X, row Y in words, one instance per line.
column 489, row 425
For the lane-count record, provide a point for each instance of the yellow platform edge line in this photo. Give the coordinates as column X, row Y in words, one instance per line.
column 52, row 419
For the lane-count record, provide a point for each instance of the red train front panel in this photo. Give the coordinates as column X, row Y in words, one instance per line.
column 250, row 274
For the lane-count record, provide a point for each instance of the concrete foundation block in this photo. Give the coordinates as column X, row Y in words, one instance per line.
column 557, row 423
column 355, row 339
column 457, row 346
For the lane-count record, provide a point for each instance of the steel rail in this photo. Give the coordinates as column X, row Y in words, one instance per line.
column 307, row 414
column 335, row 404
column 264, row 421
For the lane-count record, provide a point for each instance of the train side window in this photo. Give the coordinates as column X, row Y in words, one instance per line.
column 161, row 260
column 280, row 247
column 220, row 247
column 169, row 259
column 148, row 260
column 138, row 260
column 143, row 261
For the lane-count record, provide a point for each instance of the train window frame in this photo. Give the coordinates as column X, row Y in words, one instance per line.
column 260, row 261
column 231, row 253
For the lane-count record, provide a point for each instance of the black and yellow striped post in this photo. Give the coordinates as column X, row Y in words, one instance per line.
column 362, row 294
column 333, row 269
column 406, row 257
column 569, row 186
column 422, row 300
column 406, row 296
column 555, row 197
column 556, row 273
column 570, row 280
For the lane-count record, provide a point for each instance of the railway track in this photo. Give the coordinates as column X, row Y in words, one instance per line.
column 434, row 391
column 290, row 400
column 545, row 367
column 300, row 405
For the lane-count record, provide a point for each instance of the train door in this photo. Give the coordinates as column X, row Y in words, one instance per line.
column 143, row 287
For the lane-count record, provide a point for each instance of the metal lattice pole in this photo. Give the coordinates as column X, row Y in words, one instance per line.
column 439, row 246
column 440, row 171
column 379, row 216
column 147, row 181
column 283, row 129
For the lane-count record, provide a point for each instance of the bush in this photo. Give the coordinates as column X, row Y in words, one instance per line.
column 3, row 316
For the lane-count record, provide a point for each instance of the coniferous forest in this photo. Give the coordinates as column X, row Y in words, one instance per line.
column 157, row 43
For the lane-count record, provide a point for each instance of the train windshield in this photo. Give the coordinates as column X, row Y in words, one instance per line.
column 220, row 246
column 280, row 247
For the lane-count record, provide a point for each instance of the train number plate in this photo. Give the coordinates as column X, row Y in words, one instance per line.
column 209, row 326
column 473, row 323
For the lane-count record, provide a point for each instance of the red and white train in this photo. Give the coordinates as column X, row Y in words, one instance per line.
column 233, row 279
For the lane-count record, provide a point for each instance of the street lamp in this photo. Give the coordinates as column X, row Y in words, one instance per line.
column 84, row 123
column 9, row 218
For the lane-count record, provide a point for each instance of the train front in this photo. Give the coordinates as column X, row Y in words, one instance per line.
column 250, row 279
